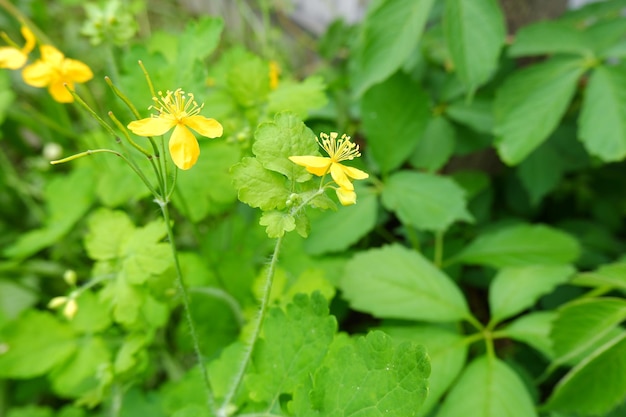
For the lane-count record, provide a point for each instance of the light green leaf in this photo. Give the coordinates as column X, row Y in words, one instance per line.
column 30, row 411
column 395, row 282
column 488, row 388
column 116, row 183
column 286, row 136
column 92, row 315
column 277, row 223
column 299, row 98
column 380, row 52
column 370, row 378
column 582, row 323
column 612, row 275
column 520, row 245
column 534, row 330
column 515, row 289
column 477, row 114
column 548, row 38
column 129, row 353
column 249, row 80
column 108, row 230
column 15, row 297
column 436, row 146
column 7, row 96
column 333, row 231
column 474, row 33
column 446, row 351
column 79, row 374
column 530, row 104
column 207, row 188
column 603, row 116
column 577, row 392
column 394, row 113
column 425, row 201
column 294, row 343
column 33, row 344
column 259, row 187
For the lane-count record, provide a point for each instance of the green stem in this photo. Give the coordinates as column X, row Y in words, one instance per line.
column 186, row 304
column 254, row 336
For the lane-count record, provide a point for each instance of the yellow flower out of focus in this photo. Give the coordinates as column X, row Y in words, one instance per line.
column 338, row 149
column 55, row 71
column 15, row 58
column 179, row 111
column 274, row 74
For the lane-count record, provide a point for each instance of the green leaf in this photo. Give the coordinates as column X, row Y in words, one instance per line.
column 334, row 231
column 474, row 33
column 380, row 52
column 515, row 289
column 521, row 245
column 603, row 116
column 92, row 315
column 277, row 223
column 577, row 393
column 248, row 79
column 530, row 104
column 259, row 187
column 436, row 146
column 207, row 188
column 79, row 374
column 286, row 136
column 541, row 171
column 612, row 275
column 15, row 297
column 477, row 114
column 294, row 343
column 7, row 96
column 548, row 38
column 299, row 98
column 534, row 330
column 395, row 282
column 108, row 230
column 370, row 378
column 488, row 388
column 30, row 411
column 425, row 201
column 394, row 114
column 446, row 351
column 582, row 323
column 34, row 344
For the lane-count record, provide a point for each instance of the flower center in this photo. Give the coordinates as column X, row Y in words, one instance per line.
column 176, row 104
column 339, row 149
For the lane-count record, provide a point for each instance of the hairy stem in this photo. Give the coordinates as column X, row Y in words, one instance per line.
column 254, row 335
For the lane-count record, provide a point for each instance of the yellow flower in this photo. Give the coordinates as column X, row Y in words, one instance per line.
column 178, row 111
column 55, row 71
column 274, row 74
column 15, row 58
column 346, row 197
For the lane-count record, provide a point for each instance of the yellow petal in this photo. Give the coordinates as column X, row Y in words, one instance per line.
column 51, row 56
column 12, row 58
column 184, row 147
column 338, row 174
column 151, row 126
column 59, row 93
column 76, row 71
column 209, row 128
column 316, row 165
column 38, row 74
column 355, row 173
column 346, row 197
column 30, row 40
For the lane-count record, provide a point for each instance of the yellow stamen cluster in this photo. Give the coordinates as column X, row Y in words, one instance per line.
column 177, row 104
column 341, row 149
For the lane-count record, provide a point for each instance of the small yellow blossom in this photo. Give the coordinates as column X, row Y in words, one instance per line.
column 338, row 149
column 179, row 111
column 274, row 74
column 15, row 58
column 55, row 71
column 71, row 308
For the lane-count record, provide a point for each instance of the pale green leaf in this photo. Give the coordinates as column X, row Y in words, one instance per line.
column 394, row 113
column 520, row 245
column 92, row 315
column 530, row 104
column 380, row 51
column 298, row 97
column 259, row 187
column 333, row 231
column 33, row 344
column 286, row 136
column 249, row 80
column 515, row 289
column 488, row 388
column 603, row 116
column 436, row 146
column 534, row 330
column 425, row 201
column 582, row 323
column 108, row 231
column 277, row 223
column 395, row 282
column 595, row 385
column 550, row 37
column 475, row 34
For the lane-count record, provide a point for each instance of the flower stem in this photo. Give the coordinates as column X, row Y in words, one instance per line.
column 256, row 331
column 186, row 304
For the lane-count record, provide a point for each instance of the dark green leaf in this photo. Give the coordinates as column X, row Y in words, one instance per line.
column 436, row 146
column 550, row 37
